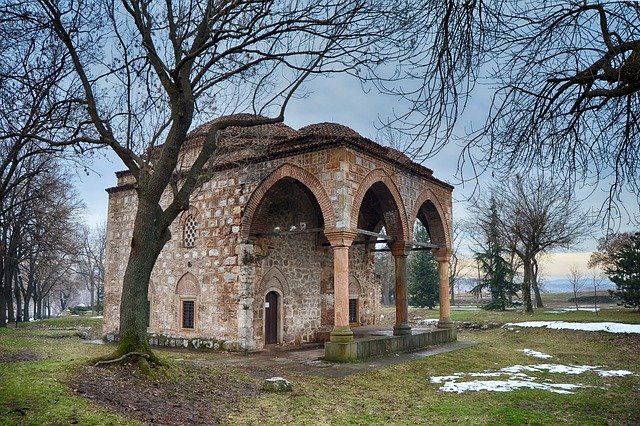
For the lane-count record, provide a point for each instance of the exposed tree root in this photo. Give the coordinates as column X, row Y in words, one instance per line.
column 128, row 354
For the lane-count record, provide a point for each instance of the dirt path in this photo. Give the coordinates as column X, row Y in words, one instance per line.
column 205, row 391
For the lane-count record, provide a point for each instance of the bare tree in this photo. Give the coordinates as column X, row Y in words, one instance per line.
column 597, row 279
column 565, row 78
column 578, row 282
column 602, row 258
column 148, row 71
column 534, row 215
column 91, row 263
column 455, row 265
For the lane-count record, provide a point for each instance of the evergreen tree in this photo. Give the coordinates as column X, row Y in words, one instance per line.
column 625, row 273
column 423, row 274
column 497, row 271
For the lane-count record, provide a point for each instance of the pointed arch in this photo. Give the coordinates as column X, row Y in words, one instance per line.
column 299, row 174
column 273, row 279
column 438, row 225
column 188, row 285
column 381, row 177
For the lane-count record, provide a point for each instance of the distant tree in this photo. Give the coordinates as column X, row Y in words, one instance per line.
column 496, row 271
column 607, row 248
column 422, row 271
column 534, row 215
column 577, row 281
column 455, row 264
column 625, row 273
column 91, row 263
column 385, row 269
column 596, row 282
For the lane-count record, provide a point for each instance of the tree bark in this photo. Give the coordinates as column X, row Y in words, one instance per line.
column 146, row 245
column 526, row 285
column 534, row 284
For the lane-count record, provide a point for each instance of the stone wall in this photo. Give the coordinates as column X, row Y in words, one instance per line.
column 229, row 264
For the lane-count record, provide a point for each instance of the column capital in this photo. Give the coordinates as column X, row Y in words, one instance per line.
column 400, row 248
column 340, row 237
column 442, row 254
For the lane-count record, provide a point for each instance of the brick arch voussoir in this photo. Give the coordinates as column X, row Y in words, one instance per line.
column 428, row 195
column 380, row 175
column 294, row 172
column 191, row 211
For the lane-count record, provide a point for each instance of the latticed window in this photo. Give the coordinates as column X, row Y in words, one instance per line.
column 188, row 313
column 353, row 310
column 190, row 231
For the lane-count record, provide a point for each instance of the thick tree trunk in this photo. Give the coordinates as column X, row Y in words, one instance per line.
column 92, row 289
column 534, row 284
column 25, row 307
column 145, row 248
column 536, row 292
column 526, row 285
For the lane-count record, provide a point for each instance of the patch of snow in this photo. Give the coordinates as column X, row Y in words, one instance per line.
column 440, row 379
column 98, row 317
column 535, row 354
column 494, row 374
column 611, row 327
column 515, row 378
column 614, row 373
column 506, row 386
column 551, row 368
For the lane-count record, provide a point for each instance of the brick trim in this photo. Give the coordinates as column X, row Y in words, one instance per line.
column 288, row 170
column 375, row 176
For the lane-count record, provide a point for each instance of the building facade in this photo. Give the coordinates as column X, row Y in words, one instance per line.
column 276, row 246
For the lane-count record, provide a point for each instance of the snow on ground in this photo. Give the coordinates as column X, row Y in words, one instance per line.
column 611, row 327
column 516, row 377
column 565, row 310
column 535, row 354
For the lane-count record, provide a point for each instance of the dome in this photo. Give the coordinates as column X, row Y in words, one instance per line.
column 329, row 129
column 237, row 135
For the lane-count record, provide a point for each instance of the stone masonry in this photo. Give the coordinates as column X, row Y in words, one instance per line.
column 293, row 214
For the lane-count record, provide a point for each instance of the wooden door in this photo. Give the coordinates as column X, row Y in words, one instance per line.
column 271, row 318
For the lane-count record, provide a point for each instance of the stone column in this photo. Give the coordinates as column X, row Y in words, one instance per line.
column 340, row 242
column 443, row 256
column 400, row 251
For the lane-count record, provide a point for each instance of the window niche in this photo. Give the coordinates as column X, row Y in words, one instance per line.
column 190, row 231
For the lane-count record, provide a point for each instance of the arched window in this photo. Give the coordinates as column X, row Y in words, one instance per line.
column 190, row 231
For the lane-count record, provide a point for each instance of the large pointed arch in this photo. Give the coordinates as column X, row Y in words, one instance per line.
column 429, row 208
column 386, row 184
column 292, row 172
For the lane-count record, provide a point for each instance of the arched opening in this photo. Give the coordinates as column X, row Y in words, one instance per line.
column 288, row 206
column 286, row 233
column 431, row 215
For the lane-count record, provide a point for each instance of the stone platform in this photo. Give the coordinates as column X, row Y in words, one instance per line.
column 384, row 344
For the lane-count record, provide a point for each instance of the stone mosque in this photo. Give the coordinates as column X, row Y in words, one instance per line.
column 277, row 246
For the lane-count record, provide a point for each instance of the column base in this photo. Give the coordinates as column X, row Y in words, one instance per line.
column 341, row 335
column 447, row 324
column 401, row 329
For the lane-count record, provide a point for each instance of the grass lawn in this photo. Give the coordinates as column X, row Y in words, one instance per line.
column 39, row 363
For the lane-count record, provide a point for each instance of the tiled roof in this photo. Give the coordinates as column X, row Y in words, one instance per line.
column 329, row 129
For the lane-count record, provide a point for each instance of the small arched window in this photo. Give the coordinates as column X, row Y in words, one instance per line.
column 190, row 231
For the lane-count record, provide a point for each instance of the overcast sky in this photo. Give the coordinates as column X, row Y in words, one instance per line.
column 341, row 100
